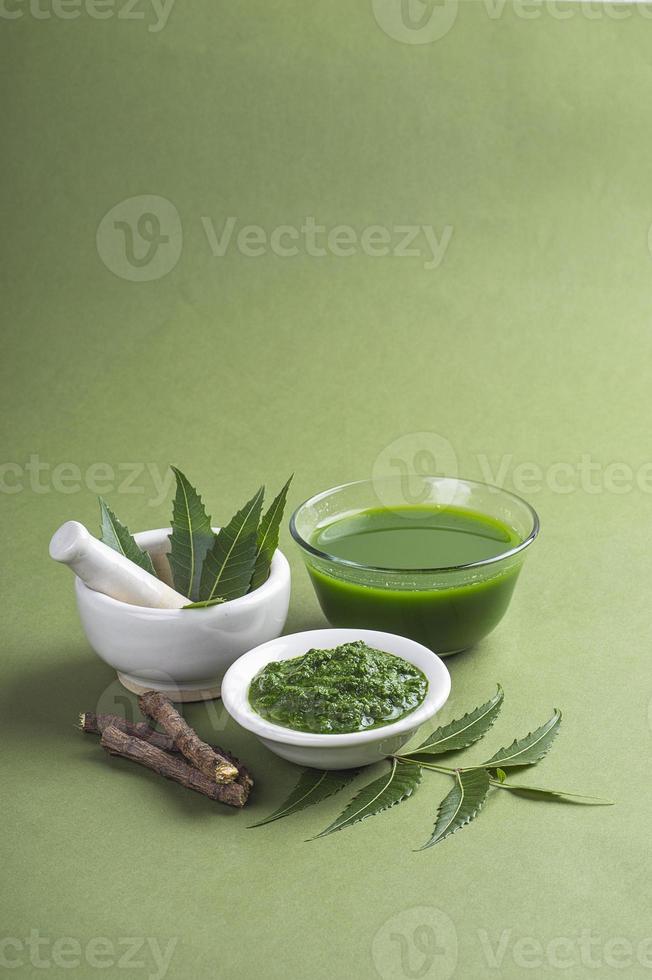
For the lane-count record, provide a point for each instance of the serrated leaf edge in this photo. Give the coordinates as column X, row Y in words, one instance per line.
column 495, row 702
column 148, row 564
column 277, row 815
column 256, row 502
column 548, row 727
column 449, row 833
column 291, row 808
column 354, row 817
column 182, row 479
column 278, row 503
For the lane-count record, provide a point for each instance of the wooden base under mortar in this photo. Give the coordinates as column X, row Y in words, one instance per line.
column 207, row 691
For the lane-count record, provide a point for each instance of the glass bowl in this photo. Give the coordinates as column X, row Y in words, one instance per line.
column 448, row 609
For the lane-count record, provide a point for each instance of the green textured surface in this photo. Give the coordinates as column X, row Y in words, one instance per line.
column 529, row 343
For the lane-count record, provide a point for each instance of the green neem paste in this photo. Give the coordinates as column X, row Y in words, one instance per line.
column 448, row 610
column 348, row 689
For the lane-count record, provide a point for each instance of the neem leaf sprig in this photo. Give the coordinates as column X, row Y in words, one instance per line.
column 207, row 567
column 472, row 784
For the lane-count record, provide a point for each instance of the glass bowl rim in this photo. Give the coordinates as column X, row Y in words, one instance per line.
column 347, row 563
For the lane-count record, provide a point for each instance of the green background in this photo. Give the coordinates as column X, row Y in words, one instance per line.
column 530, row 343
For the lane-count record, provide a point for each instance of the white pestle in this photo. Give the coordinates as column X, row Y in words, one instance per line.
column 105, row 570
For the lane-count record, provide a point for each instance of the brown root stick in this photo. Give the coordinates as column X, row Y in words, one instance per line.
column 171, row 767
column 94, row 724
column 213, row 764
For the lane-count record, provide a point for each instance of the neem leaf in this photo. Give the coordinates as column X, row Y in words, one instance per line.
column 191, row 538
column 538, row 793
column 229, row 564
column 314, row 786
column 118, row 537
column 527, row 751
column 462, row 804
column 205, row 603
column 390, row 788
column 267, row 541
column 463, row 731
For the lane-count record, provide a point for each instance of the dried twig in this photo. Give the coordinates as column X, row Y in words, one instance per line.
column 96, row 724
column 171, row 766
column 202, row 756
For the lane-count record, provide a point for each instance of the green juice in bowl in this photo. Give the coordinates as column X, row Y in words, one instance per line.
column 441, row 572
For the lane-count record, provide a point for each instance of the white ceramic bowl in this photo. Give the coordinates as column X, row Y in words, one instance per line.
column 333, row 751
column 182, row 652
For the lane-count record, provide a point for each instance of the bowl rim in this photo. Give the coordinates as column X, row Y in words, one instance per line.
column 237, row 704
column 279, row 571
column 436, row 569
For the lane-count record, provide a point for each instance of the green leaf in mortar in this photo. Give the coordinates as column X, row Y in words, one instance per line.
column 314, row 786
column 229, row 564
column 461, row 806
column 267, row 541
column 389, row 789
column 205, row 603
column 191, row 538
column 118, row 537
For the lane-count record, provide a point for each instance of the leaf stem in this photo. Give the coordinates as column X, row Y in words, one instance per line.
column 425, row 765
